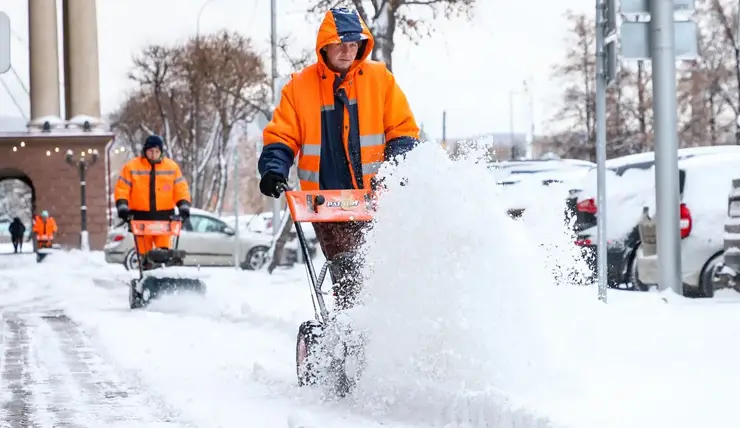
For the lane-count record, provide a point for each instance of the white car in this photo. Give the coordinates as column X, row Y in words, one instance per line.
column 206, row 239
column 705, row 182
column 513, row 171
column 629, row 180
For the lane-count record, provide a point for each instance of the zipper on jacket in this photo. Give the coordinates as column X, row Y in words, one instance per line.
column 153, row 188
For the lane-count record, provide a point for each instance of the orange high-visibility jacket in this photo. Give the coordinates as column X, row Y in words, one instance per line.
column 151, row 191
column 353, row 123
column 44, row 229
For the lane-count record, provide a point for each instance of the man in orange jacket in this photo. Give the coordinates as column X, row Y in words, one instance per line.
column 44, row 227
column 149, row 188
column 364, row 119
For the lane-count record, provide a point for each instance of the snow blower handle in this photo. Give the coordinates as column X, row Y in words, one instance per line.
column 283, row 187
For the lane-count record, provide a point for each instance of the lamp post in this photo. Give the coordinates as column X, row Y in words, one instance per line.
column 82, row 165
column 237, row 240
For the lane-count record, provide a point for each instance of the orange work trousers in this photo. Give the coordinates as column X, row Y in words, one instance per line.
column 148, row 243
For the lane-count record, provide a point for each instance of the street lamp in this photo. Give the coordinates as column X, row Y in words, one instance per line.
column 82, row 164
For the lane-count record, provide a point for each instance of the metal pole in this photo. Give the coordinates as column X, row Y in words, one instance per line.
column 237, row 240
column 84, row 237
column 530, row 121
column 737, row 71
column 276, row 204
column 601, row 151
column 512, row 153
column 662, row 53
column 195, row 160
column 444, row 127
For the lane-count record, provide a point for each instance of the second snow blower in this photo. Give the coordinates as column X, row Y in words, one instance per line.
column 156, row 273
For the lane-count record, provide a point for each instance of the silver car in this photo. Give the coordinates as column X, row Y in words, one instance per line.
column 206, row 239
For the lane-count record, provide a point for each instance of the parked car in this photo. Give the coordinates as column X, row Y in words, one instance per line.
column 207, row 240
column 705, row 183
column 622, row 243
column 726, row 273
column 514, row 174
column 512, row 168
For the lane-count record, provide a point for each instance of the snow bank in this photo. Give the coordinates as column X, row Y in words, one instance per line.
column 626, row 195
column 460, row 315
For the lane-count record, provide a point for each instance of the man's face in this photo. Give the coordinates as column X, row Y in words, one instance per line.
column 341, row 55
column 153, row 154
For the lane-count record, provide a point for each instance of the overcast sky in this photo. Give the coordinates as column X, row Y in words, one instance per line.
column 466, row 68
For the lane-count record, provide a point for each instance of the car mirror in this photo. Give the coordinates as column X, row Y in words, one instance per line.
column 229, row 231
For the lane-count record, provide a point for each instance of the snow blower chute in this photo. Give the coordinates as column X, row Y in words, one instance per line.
column 157, row 269
column 323, row 346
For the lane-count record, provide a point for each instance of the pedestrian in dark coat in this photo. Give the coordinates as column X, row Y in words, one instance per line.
column 17, row 230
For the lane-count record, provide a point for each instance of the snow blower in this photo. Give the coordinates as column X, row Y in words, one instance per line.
column 157, row 269
column 45, row 247
column 326, row 344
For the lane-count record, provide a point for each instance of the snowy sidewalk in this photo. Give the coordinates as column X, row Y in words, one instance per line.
column 75, row 355
column 55, row 378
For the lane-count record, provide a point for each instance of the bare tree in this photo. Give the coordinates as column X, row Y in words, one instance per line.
column 384, row 17
column 578, row 75
column 297, row 60
column 231, row 85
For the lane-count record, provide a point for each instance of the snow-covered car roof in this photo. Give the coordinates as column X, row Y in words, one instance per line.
column 648, row 157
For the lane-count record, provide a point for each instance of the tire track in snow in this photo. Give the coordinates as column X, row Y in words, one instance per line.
column 54, row 378
column 15, row 376
column 105, row 397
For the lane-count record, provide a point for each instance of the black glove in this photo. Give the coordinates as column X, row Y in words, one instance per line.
column 123, row 212
column 184, row 209
column 272, row 184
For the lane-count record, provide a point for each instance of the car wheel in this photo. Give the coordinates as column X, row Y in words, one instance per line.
column 706, row 279
column 255, row 258
column 633, row 279
column 131, row 261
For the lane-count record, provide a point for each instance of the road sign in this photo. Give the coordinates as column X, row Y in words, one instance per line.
column 4, row 42
column 636, row 40
column 642, row 7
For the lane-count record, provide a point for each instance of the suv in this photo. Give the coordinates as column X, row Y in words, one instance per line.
column 623, row 243
column 704, row 184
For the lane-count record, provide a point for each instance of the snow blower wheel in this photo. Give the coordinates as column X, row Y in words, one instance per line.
column 307, row 343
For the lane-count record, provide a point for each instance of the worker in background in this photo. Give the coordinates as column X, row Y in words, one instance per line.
column 44, row 228
column 149, row 187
